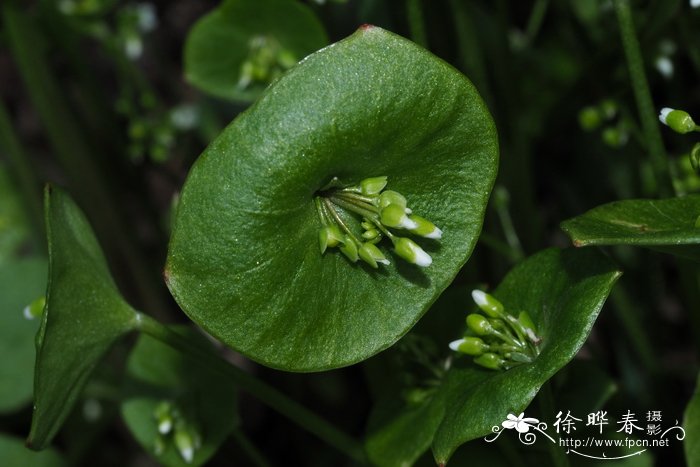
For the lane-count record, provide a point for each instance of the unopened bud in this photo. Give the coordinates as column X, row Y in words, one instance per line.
column 411, row 252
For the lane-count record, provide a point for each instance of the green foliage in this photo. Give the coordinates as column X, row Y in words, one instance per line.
column 205, row 400
column 14, row 454
column 669, row 225
column 563, row 291
column 240, row 34
column 83, row 317
column 247, row 217
column 21, row 281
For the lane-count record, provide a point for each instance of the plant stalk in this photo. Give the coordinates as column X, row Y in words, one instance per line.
column 645, row 105
column 268, row 395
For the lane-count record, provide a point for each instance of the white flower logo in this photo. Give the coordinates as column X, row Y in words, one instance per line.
column 520, row 423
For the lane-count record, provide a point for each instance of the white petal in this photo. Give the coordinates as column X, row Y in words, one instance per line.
column 479, row 297
column 512, row 417
column 384, row 261
column 423, row 259
column 165, row 426
column 407, row 223
column 187, row 454
column 436, row 234
column 695, row 3
column 664, row 113
column 27, row 312
column 454, row 345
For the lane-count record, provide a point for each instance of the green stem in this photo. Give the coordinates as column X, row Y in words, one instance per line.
column 626, row 312
column 339, row 221
column 416, row 22
column 26, row 179
column 547, row 408
column 537, row 15
column 645, row 105
column 260, row 390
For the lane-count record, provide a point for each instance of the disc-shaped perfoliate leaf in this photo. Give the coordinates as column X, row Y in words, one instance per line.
column 14, row 453
column 21, row 282
column 263, row 35
column 84, row 315
column 202, row 398
column 563, row 291
column 667, row 225
column 244, row 260
column 691, row 424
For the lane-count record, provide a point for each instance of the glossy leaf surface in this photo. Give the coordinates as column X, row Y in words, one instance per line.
column 667, row 225
column 563, row 291
column 244, row 260
column 84, row 315
column 207, row 399
column 218, row 44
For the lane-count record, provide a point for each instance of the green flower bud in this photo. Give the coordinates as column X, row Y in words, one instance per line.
column 164, row 417
column 349, row 249
column 329, row 236
column 490, row 361
column 615, row 137
column 589, row 118
column 35, row 309
column 371, row 255
column 372, row 186
column 520, row 357
column 286, row 59
column 479, row 325
column 529, row 326
column 367, row 225
column 425, row 228
column 395, row 216
column 391, row 197
column 186, row 442
column 470, row 346
column 678, row 120
column 411, row 252
column 488, row 304
column 608, row 108
column 370, row 234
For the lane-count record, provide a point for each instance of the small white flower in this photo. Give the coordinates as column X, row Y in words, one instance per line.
column 695, row 3
column 27, row 312
column 165, row 426
column 664, row 113
column 454, row 345
column 520, row 423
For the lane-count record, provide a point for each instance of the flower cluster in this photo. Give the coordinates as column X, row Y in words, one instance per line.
column 185, row 435
column 266, row 61
column 380, row 210
column 498, row 341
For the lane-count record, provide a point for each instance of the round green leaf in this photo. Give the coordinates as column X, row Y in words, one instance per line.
column 14, row 453
column 208, row 399
column 83, row 316
column 244, row 260
column 668, row 225
column 563, row 291
column 21, row 282
column 218, row 44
